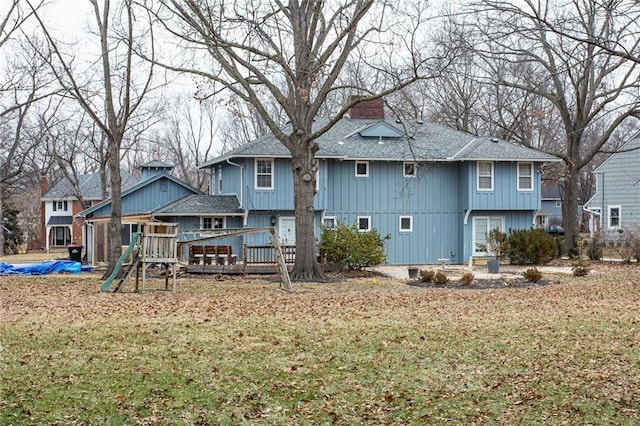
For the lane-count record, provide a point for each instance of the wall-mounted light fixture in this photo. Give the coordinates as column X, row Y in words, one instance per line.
column 273, row 221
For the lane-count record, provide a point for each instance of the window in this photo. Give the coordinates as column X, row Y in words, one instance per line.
column 213, row 223
column 220, row 180
column 485, row 176
column 164, row 185
column 364, row 223
column 330, row 222
column 60, row 205
column 409, row 169
column 525, row 176
column 614, row 216
column 558, row 204
column 406, row 223
column 87, row 204
column 362, row 168
column 264, row 173
column 482, row 225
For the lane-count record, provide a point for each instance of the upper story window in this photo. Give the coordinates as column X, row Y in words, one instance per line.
column 614, row 216
column 409, row 169
column 364, row 223
column 219, row 179
column 525, row 176
column 362, row 168
column 485, row 175
column 213, row 223
column 264, row 173
column 60, row 206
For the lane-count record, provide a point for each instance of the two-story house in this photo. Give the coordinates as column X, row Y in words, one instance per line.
column 435, row 191
column 614, row 209
column 64, row 200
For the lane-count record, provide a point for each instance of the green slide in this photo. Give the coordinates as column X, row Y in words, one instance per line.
column 134, row 245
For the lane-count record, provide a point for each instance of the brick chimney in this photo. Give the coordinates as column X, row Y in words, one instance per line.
column 367, row 109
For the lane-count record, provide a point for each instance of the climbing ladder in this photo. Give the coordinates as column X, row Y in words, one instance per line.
column 156, row 245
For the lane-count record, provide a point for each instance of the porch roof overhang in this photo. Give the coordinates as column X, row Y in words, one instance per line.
column 60, row 221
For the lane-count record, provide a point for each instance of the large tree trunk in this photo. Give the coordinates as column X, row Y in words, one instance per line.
column 115, row 224
column 570, row 209
column 305, row 167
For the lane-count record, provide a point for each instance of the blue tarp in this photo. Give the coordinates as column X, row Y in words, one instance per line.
column 42, row 268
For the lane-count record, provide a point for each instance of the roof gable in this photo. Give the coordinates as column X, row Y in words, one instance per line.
column 139, row 188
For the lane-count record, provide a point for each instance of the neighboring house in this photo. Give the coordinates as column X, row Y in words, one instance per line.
column 615, row 207
column 550, row 204
column 435, row 191
column 61, row 203
column 157, row 188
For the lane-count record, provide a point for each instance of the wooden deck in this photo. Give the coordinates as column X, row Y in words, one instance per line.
column 237, row 269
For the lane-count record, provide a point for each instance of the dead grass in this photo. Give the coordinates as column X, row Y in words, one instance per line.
column 366, row 350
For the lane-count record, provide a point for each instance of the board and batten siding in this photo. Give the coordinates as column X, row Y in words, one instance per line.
column 147, row 198
column 618, row 184
column 505, row 194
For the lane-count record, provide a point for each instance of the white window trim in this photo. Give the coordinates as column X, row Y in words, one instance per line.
column 356, row 168
column 619, row 225
column 220, row 179
column 368, row 223
column 530, row 176
column 224, row 222
column 335, row 221
column 558, row 204
column 410, row 229
column 256, row 173
column 478, row 176
column 404, row 169
column 474, row 248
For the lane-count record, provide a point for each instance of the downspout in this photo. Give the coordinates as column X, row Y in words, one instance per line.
column 241, row 167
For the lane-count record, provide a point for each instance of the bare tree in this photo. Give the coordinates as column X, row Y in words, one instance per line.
column 524, row 48
column 188, row 136
column 111, row 89
column 294, row 54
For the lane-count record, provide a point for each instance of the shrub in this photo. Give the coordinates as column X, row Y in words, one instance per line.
column 626, row 245
column 467, row 278
column 348, row 246
column 531, row 247
column 594, row 248
column 532, row 275
column 440, row 278
column 580, row 268
column 426, row 275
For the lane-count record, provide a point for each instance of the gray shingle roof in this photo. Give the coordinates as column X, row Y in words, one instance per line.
column 199, row 205
column 90, row 187
column 425, row 141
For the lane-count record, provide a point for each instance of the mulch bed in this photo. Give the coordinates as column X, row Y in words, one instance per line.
column 483, row 284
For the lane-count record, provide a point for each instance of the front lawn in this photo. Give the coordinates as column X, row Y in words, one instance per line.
column 366, row 351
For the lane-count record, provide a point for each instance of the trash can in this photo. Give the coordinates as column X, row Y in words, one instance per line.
column 75, row 252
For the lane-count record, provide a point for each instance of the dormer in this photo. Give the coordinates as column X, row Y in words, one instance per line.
column 381, row 130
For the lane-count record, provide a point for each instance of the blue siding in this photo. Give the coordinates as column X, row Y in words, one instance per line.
column 436, row 199
column 512, row 220
column 148, row 198
column 505, row 194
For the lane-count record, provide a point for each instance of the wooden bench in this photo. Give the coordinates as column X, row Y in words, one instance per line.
column 196, row 255
column 224, row 255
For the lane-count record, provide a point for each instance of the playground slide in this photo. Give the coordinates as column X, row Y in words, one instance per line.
column 134, row 245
